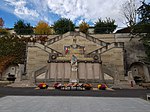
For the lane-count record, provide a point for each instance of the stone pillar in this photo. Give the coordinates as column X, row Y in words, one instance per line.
column 49, row 70
column 56, row 75
column 19, row 72
column 130, row 78
column 74, row 73
column 93, row 72
column 63, row 74
column 18, row 76
column 101, row 74
column 146, row 73
column 46, row 75
column 116, row 78
column 86, row 72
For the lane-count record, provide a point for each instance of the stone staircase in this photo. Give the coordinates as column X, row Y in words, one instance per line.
column 88, row 37
column 109, row 70
column 40, row 71
column 108, row 47
column 45, row 48
column 57, row 38
column 93, row 39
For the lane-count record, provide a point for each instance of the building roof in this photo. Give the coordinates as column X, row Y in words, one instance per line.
column 124, row 30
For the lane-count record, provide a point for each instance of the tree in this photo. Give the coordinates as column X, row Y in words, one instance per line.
column 129, row 12
column 1, row 22
column 22, row 28
column 43, row 28
column 143, row 26
column 11, row 46
column 3, row 31
column 83, row 27
column 63, row 25
column 104, row 26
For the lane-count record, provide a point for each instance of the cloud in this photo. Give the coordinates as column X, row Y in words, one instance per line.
column 21, row 10
column 76, row 10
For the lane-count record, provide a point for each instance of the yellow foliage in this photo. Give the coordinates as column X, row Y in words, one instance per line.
column 83, row 27
column 43, row 28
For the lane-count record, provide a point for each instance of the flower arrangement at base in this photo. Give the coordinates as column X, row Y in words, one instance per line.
column 57, row 85
column 87, row 86
column 43, row 85
column 102, row 86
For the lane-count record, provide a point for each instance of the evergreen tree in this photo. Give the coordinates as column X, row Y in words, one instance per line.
column 63, row 25
column 22, row 28
column 104, row 26
column 143, row 26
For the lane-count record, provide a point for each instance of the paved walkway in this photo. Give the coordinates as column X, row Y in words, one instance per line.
column 72, row 104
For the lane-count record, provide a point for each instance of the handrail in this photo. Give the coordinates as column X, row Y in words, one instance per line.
column 57, row 38
column 45, row 48
column 108, row 47
column 40, row 71
column 93, row 39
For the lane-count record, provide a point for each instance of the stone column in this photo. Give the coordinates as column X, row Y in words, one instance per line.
column 116, row 78
column 86, row 73
column 130, row 78
column 19, row 72
column 63, row 74
column 74, row 73
column 93, row 72
column 146, row 73
column 49, row 70
column 101, row 74
column 56, row 75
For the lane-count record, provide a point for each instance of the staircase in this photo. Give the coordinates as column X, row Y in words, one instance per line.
column 88, row 37
column 57, row 38
column 93, row 39
column 45, row 48
column 109, row 70
column 108, row 47
column 40, row 71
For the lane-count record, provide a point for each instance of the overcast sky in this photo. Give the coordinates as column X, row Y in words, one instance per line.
column 33, row 11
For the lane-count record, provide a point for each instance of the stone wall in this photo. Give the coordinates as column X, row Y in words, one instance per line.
column 36, row 59
column 59, row 46
column 61, row 72
column 115, row 60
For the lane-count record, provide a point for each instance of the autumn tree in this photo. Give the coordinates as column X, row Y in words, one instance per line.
column 63, row 25
column 1, row 22
column 3, row 31
column 104, row 26
column 22, row 28
column 43, row 28
column 83, row 27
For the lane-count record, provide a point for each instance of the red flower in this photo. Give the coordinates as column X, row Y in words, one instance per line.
column 43, row 86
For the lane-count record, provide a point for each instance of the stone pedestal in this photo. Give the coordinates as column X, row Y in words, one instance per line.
column 130, row 78
column 73, row 77
column 116, row 78
column 74, row 73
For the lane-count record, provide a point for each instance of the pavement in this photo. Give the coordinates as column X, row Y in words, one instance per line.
column 42, row 100
column 72, row 104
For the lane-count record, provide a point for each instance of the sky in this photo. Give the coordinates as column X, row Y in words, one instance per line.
column 32, row 11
